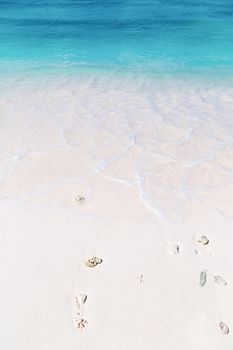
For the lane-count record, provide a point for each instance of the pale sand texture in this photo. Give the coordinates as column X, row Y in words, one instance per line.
column 154, row 164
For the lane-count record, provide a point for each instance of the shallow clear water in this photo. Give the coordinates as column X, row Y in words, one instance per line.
column 80, row 106
column 155, row 36
column 170, row 144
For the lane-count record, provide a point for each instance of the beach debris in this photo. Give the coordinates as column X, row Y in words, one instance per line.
column 224, row 328
column 81, row 323
column 79, row 199
column 203, row 240
column 92, row 262
column 220, row 280
column 203, row 277
column 79, row 301
column 175, row 249
column 141, row 278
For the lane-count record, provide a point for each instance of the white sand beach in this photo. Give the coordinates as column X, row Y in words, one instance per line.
column 136, row 173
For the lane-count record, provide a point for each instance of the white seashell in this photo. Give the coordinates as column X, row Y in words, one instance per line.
column 220, row 280
column 203, row 277
column 94, row 262
column 224, row 328
column 203, row 240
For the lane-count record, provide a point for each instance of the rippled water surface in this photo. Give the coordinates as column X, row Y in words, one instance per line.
column 144, row 35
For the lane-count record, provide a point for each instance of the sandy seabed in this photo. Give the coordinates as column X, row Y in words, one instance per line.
column 136, row 173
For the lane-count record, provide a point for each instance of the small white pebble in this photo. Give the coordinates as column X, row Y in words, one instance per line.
column 220, row 280
column 203, row 240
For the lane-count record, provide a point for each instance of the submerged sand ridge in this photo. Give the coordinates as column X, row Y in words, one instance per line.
column 135, row 174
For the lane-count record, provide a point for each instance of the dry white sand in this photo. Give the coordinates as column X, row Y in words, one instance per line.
column 154, row 165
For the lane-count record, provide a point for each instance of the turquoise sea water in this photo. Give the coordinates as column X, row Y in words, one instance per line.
column 155, row 36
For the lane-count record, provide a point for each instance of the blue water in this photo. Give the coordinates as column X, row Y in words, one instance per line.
column 155, row 36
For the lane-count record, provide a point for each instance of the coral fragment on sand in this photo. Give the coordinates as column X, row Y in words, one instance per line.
column 224, row 328
column 203, row 277
column 92, row 262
